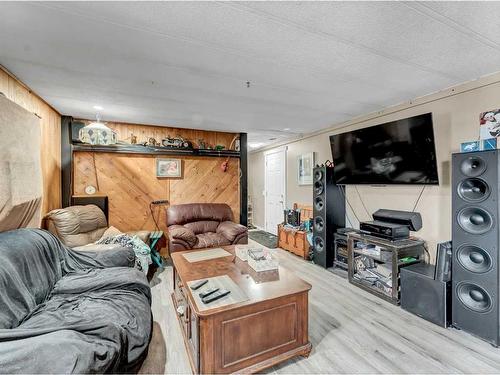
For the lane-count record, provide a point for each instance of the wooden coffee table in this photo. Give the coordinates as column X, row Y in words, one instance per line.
column 269, row 327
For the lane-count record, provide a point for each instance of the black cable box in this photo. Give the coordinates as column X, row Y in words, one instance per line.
column 385, row 230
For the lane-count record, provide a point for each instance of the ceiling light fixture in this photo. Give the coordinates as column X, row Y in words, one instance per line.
column 97, row 133
column 98, row 108
column 286, row 129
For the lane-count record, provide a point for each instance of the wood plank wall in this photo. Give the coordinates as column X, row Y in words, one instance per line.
column 50, row 123
column 130, row 182
column 144, row 132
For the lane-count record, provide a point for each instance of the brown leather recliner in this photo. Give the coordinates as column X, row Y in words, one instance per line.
column 79, row 226
column 201, row 225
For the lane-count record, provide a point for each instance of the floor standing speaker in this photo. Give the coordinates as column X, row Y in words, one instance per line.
column 329, row 215
column 475, row 239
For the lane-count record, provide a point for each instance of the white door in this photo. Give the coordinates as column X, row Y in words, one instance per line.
column 275, row 165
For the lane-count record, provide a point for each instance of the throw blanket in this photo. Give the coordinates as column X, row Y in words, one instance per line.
column 141, row 250
column 65, row 311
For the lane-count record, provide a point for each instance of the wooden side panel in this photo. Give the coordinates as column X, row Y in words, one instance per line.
column 252, row 335
column 50, row 123
column 252, row 338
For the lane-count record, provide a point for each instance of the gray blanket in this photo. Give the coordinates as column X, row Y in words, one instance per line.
column 64, row 311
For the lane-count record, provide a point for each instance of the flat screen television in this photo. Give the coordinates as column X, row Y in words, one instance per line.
column 397, row 152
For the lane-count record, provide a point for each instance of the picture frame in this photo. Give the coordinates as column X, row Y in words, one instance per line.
column 170, row 168
column 305, row 166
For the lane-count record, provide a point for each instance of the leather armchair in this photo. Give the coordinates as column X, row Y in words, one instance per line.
column 79, row 226
column 202, row 225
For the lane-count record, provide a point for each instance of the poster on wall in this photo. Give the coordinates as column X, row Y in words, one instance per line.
column 489, row 123
column 168, row 168
column 305, row 168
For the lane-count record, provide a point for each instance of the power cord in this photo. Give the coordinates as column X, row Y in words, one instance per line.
column 154, row 204
column 363, row 203
column 342, row 189
column 418, row 199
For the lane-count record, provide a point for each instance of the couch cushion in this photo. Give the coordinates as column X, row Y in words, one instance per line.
column 202, row 226
column 183, row 233
column 185, row 213
column 211, row 239
column 231, row 230
column 77, row 225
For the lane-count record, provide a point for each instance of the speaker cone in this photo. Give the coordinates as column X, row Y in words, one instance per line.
column 473, row 190
column 473, row 166
column 319, row 244
column 475, row 220
column 319, row 224
column 474, row 259
column 318, row 187
column 318, row 203
column 474, row 297
column 318, row 175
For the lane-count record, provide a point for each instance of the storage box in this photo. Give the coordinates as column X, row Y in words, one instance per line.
column 482, row 145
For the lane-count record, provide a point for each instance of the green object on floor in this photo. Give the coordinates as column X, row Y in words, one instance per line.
column 154, row 237
column 408, row 259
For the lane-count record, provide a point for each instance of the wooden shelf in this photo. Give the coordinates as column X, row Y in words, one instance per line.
column 149, row 150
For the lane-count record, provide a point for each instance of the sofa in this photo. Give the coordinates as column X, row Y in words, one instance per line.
column 65, row 311
column 202, row 225
column 79, row 227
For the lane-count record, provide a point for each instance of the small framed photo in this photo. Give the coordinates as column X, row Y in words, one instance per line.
column 168, row 168
column 305, row 165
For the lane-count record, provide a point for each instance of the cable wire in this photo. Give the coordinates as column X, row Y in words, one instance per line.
column 342, row 187
column 418, row 199
column 363, row 203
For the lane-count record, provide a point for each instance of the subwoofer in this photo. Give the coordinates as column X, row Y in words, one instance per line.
column 329, row 215
column 475, row 239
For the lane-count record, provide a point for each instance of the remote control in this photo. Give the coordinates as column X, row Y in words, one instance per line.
column 208, row 292
column 198, row 284
column 215, row 296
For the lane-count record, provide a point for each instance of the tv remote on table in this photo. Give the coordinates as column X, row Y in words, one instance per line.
column 215, row 296
column 208, row 292
column 198, row 284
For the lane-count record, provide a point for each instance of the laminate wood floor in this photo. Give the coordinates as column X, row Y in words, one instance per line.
column 351, row 332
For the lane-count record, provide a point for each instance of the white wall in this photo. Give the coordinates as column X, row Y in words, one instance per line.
column 456, row 119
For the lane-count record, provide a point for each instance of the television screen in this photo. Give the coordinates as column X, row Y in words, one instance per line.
column 397, row 152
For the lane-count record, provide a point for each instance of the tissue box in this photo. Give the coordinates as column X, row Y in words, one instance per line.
column 260, row 260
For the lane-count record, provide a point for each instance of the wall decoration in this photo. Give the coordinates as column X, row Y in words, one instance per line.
column 489, row 123
column 168, row 168
column 305, row 165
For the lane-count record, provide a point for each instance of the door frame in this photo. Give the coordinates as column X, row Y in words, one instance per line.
column 283, row 151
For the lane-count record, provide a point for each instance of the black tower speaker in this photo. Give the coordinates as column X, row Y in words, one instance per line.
column 475, row 239
column 329, row 215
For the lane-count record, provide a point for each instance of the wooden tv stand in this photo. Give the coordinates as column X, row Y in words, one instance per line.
column 246, row 337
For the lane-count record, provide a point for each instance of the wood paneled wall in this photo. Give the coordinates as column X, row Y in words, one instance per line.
column 144, row 132
column 130, row 182
column 50, row 123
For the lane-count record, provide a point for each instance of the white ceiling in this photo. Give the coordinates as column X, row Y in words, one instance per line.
column 311, row 64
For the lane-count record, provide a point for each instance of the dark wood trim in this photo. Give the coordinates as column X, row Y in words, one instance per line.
column 243, row 180
column 148, row 150
column 66, row 161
